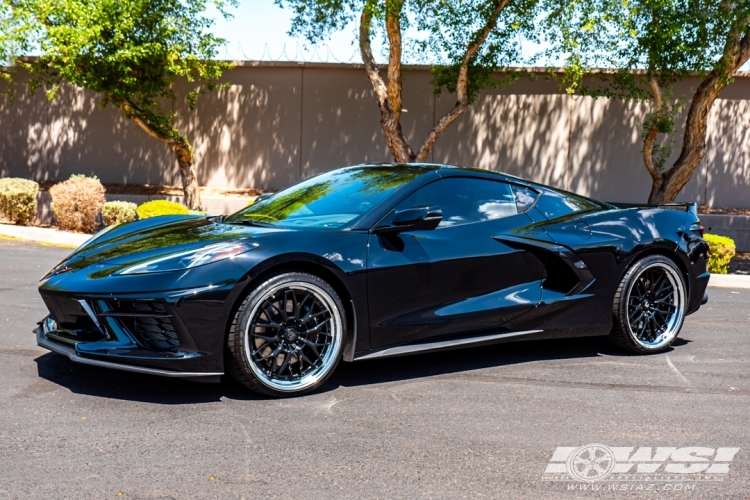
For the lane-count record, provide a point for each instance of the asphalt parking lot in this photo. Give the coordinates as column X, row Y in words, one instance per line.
column 475, row 423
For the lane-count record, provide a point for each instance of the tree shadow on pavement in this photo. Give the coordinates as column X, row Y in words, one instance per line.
column 105, row 383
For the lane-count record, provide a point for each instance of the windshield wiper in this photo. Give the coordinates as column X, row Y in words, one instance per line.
column 249, row 222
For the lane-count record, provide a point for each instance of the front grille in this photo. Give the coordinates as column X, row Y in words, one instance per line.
column 148, row 322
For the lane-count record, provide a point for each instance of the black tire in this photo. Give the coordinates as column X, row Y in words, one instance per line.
column 292, row 321
column 649, row 306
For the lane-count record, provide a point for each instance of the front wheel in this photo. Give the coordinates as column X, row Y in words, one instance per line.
column 649, row 306
column 287, row 336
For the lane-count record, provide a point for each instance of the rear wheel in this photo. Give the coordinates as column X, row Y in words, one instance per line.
column 287, row 335
column 649, row 306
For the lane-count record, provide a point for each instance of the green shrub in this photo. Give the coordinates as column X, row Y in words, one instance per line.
column 77, row 202
column 155, row 208
column 117, row 212
column 18, row 199
column 721, row 251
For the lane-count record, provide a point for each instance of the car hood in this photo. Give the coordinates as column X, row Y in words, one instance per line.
column 138, row 241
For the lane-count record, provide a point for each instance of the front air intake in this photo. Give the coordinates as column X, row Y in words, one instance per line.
column 148, row 322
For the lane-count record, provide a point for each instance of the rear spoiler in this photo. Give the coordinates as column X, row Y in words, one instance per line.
column 682, row 207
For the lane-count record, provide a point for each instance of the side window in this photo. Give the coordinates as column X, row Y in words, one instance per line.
column 465, row 200
column 525, row 197
column 555, row 204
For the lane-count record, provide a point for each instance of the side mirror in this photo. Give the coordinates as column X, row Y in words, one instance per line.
column 262, row 197
column 420, row 218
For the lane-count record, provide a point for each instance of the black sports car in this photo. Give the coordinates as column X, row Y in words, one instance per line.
column 371, row 261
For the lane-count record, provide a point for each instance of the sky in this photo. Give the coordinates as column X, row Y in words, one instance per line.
column 258, row 31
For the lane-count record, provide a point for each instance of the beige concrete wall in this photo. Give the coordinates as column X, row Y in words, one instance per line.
column 279, row 123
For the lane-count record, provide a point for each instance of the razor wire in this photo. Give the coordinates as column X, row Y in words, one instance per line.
column 315, row 54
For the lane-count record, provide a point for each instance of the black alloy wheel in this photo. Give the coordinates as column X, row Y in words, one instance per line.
column 649, row 306
column 287, row 336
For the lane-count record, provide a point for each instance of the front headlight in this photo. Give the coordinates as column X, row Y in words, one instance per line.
column 191, row 258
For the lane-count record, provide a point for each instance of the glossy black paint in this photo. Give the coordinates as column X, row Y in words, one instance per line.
column 529, row 271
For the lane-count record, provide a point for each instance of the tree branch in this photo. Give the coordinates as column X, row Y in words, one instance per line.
column 132, row 111
column 381, row 92
column 653, row 132
column 393, row 28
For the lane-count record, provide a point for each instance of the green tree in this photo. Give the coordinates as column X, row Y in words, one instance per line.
column 17, row 35
column 652, row 45
column 476, row 37
column 131, row 52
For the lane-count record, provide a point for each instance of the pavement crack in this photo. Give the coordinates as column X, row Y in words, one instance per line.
column 21, row 352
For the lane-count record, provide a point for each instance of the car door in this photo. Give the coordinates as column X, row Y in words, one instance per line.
column 457, row 278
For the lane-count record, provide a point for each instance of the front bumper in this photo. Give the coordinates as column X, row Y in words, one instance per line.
column 47, row 337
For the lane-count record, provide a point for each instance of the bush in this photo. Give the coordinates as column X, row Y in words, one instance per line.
column 155, row 208
column 117, row 212
column 18, row 199
column 721, row 251
column 77, row 202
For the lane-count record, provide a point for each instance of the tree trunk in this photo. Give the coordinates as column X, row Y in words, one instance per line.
column 389, row 95
column 187, row 172
column 667, row 185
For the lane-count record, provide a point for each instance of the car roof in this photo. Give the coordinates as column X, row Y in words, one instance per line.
column 445, row 170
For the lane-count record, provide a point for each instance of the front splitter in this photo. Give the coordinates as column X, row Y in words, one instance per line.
column 70, row 352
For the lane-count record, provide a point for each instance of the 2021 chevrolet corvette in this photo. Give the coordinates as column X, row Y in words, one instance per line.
column 371, row 261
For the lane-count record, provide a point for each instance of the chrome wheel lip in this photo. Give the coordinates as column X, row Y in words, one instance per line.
column 675, row 320
column 329, row 356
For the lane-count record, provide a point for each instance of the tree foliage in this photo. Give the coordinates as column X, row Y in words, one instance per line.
column 131, row 52
column 650, row 46
column 17, row 35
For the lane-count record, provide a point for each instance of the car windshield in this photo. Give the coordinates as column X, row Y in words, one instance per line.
column 329, row 200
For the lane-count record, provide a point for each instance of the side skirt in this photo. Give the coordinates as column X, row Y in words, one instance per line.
column 444, row 344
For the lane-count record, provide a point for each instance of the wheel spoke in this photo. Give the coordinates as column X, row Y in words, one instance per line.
column 263, row 337
column 303, row 302
column 285, row 363
column 317, row 327
column 284, row 303
column 273, row 354
column 635, row 319
column 268, row 314
column 273, row 325
column 659, row 284
column 302, row 356
column 295, row 306
column 312, row 346
column 263, row 346
column 666, row 308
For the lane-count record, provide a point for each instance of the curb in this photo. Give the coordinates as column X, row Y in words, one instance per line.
column 729, row 281
column 44, row 235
